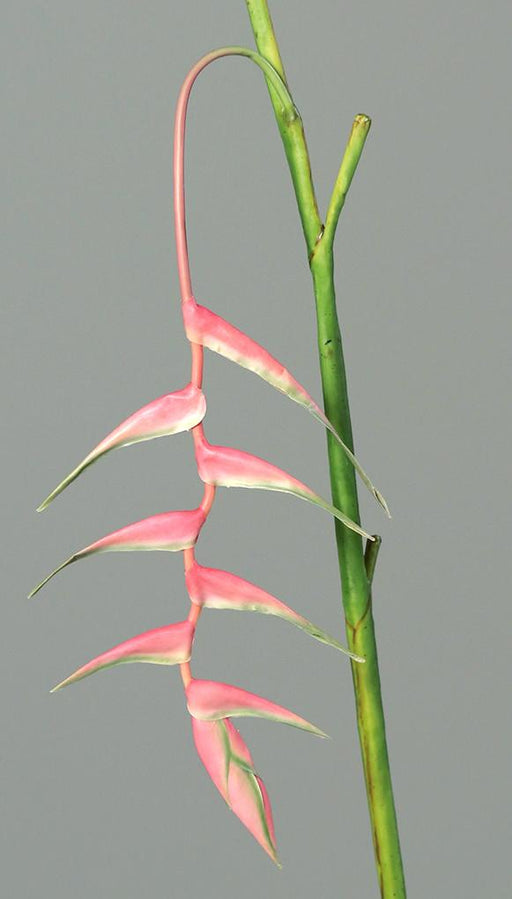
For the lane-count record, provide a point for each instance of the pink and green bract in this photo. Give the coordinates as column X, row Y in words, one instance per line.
column 169, row 414
column 209, row 701
column 211, row 704
column 230, row 766
column 210, row 588
column 223, row 466
column 168, row 531
column 206, row 328
column 168, row 645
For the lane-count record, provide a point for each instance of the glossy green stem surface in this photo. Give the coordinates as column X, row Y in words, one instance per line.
column 356, row 566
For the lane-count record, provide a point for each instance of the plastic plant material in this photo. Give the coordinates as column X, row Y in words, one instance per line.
column 230, row 766
column 223, row 466
column 169, row 414
column 169, row 645
column 210, row 700
column 168, row 531
column 204, row 327
column 356, row 563
column 212, row 704
column 211, row 588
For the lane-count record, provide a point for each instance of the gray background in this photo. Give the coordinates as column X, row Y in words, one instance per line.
column 102, row 792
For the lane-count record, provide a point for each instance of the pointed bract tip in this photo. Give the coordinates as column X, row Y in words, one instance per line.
column 48, row 577
column 380, row 499
column 321, row 733
column 213, row 588
column 224, row 466
column 169, row 531
column 205, row 327
column 36, row 590
column 212, row 700
column 228, row 762
column 172, row 413
column 167, row 645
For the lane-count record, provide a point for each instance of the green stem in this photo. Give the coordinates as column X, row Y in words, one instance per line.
column 356, row 567
column 292, row 133
column 351, row 157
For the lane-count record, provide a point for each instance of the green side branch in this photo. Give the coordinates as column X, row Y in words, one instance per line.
column 356, row 568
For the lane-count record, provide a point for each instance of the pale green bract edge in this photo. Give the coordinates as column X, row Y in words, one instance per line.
column 250, row 713
column 253, row 783
column 93, row 457
column 227, row 753
column 133, row 547
column 150, row 660
column 350, row 455
column 300, row 622
column 73, row 475
column 318, row 501
column 250, row 773
column 323, row 637
column 241, row 763
column 314, row 500
column 55, row 571
column 322, row 418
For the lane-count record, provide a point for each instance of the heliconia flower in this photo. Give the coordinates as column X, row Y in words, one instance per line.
column 211, row 700
column 223, row 466
column 169, row 645
column 169, row 531
column 210, row 330
column 230, row 766
column 169, row 414
column 212, row 588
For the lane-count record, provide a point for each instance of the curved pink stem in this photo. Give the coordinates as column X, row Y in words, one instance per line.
column 180, row 121
column 180, row 224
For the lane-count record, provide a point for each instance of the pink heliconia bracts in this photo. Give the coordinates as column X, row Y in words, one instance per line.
column 212, row 588
column 211, row 704
column 169, row 645
column 224, row 466
column 204, row 327
column 230, row 766
column 168, row 531
column 211, row 700
column 169, row 414
column 210, row 330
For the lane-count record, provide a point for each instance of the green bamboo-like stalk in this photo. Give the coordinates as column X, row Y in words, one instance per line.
column 356, row 566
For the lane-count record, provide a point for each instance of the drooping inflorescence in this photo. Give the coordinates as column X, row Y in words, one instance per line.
column 211, row 705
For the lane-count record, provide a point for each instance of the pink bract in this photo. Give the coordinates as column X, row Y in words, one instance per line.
column 229, row 764
column 169, row 414
column 211, row 700
column 210, row 330
column 168, row 645
column 224, row 466
column 204, row 327
column 168, row 531
column 211, row 704
column 216, row 589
